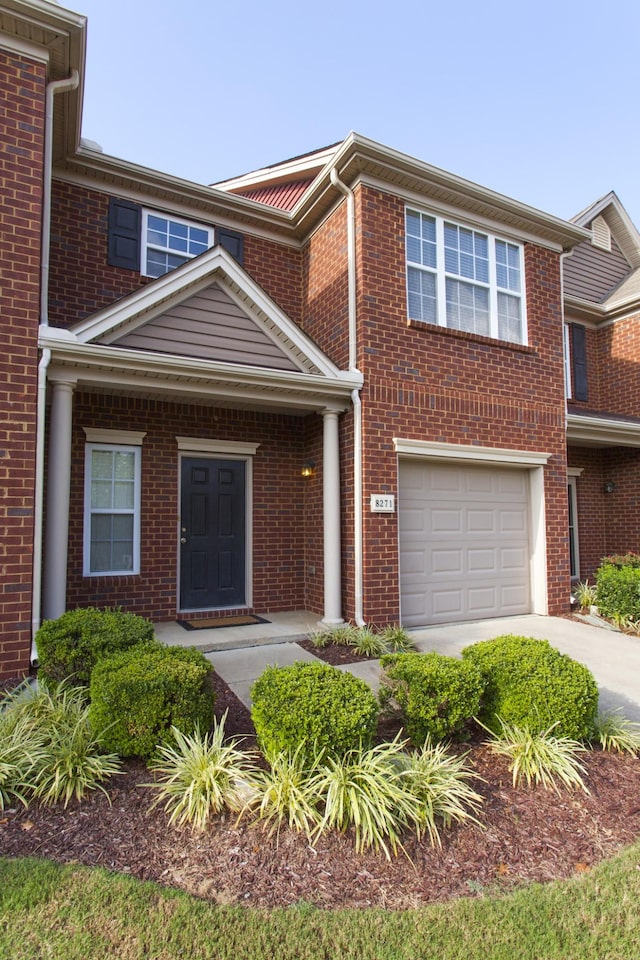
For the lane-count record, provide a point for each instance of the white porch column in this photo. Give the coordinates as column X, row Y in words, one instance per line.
column 54, row 594
column 331, row 514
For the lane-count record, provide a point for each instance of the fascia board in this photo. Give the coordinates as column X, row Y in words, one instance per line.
column 215, row 264
column 415, row 199
column 356, row 146
column 602, row 432
column 296, row 169
column 163, row 364
column 149, row 183
column 588, row 308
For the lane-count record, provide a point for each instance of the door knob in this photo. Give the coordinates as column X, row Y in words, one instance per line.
column 183, row 539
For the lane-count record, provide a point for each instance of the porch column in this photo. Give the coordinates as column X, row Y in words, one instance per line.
column 54, row 595
column 331, row 515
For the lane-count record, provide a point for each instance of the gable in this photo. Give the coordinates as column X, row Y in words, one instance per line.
column 591, row 273
column 210, row 325
column 208, row 310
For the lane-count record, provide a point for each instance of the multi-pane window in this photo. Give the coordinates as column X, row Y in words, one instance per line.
column 168, row 242
column 464, row 279
column 112, row 510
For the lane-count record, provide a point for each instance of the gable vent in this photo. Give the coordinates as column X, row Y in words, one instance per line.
column 600, row 234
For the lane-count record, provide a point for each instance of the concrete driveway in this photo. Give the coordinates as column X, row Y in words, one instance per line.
column 612, row 657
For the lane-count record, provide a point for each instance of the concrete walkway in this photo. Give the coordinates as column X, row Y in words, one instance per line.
column 613, row 657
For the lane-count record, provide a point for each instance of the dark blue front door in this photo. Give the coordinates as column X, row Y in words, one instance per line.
column 212, row 548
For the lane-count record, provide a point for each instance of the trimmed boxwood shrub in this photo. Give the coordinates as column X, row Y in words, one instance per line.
column 70, row 647
column 531, row 684
column 139, row 694
column 618, row 589
column 312, row 703
column 436, row 695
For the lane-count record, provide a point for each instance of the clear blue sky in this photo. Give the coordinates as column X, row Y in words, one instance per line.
column 538, row 99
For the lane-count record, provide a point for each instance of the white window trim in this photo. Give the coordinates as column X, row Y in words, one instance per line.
column 572, row 485
column 112, row 445
column 441, row 275
column 145, row 247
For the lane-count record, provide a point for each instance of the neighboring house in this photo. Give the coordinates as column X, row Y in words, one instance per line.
column 602, row 311
column 178, row 355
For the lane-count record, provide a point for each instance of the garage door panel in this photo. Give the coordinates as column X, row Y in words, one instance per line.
column 512, row 521
column 446, row 562
column 414, row 563
column 482, row 601
column 445, row 521
column 480, row 521
column 447, row 604
column 515, row 559
column 464, row 542
column 481, row 561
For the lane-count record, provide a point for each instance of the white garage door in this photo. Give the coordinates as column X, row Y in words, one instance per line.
column 464, row 542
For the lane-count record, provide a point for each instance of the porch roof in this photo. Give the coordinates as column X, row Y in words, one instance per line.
column 205, row 333
column 588, row 429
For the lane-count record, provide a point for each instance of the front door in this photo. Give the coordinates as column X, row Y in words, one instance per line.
column 212, row 534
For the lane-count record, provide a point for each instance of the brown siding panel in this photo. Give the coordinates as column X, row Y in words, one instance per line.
column 591, row 273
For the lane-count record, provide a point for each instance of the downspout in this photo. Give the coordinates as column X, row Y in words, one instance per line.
column 56, row 86
column 355, row 398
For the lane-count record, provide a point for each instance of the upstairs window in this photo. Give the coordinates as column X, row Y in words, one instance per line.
column 153, row 243
column 464, row 279
column 168, row 242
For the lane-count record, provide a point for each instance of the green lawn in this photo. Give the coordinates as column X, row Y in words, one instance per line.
column 75, row 913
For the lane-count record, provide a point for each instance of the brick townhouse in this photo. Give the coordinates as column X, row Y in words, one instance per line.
column 338, row 384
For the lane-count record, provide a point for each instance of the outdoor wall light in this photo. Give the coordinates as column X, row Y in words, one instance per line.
column 609, row 486
column 308, row 468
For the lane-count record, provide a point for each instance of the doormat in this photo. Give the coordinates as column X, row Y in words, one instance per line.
column 213, row 622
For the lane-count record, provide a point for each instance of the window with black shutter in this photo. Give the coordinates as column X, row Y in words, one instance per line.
column 124, row 234
column 579, row 361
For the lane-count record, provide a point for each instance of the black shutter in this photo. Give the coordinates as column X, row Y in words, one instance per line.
column 579, row 361
column 232, row 242
column 124, row 234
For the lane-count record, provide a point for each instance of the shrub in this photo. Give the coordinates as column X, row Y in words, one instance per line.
column 440, row 781
column 531, row 684
column 199, row 775
column 436, row 695
column 367, row 789
column 313, row 703
column 287, row 793
column 539, row 757
column 139, row 694
column 614, row 732
column 70, row 647
column 57, row 755
column 618, row 590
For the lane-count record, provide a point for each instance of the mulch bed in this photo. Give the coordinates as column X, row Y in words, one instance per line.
column 334, row 653
column 525, row 835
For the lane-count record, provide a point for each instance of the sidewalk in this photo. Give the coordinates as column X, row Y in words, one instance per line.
column 613, row 658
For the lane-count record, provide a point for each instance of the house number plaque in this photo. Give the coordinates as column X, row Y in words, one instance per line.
column 383, row 503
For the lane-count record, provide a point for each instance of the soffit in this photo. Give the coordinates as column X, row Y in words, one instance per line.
column 62, row 35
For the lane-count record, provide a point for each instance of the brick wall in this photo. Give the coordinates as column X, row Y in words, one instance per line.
column 22, row 87
column 82, row 282
column 423, row 382
column 283, row 502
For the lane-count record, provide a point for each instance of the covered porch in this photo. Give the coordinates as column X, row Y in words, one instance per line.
column 146, row 402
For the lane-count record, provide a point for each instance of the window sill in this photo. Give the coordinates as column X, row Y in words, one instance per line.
column 474, row 337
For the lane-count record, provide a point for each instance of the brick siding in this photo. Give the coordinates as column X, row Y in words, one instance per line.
column 22, row 86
